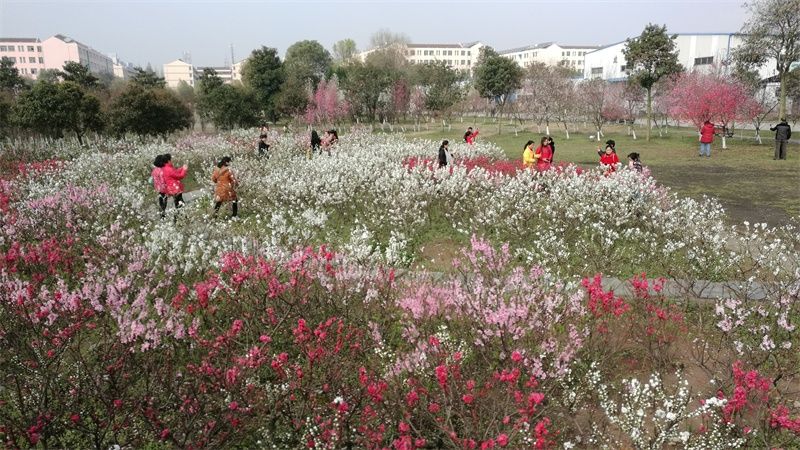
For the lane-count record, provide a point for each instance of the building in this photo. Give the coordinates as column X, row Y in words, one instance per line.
column 60, row 49
column 122, row 70
column 551, row 54
column 27, row 54
column 457, row 56
column 179, row 70
column 696, row 51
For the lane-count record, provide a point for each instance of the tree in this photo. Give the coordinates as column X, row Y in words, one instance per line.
column 772, row 32
column 496, row 78
column 596, row 97
column 327, row 104
column 441, row 85
column 263, row 73
column 186, row 93
column 79, row 74
column 51, row 109
column 344, row 51
column 9, row 76
column 148, row 111
column 307, row 62
column 632, row 99
column 651, row 57
column 384, row 38
column 366, row 86
column 547, row 91
column 146, row 78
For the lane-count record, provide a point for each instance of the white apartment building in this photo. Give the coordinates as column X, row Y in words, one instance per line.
column 26, row 53
column 60, row 49
column 457, row 56
column 551, row 54
column 696, row 51
column 179, row 70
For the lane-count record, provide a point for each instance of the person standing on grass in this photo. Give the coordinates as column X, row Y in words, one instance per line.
column 225, row 189
column 173, row 187
column 609, row 157
column 783, row 132
column 528, row 155
column 469, row 136
column 706, row 138
column 157, row 175
column 543, row 154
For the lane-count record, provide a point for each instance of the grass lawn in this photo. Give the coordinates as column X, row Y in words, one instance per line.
column 748, row 182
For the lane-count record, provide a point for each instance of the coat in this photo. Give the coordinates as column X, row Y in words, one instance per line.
column 611, row 160
column 707, row 133
column 783, row 132
column 544, row 158
column 158, row 179
column 225, row 185
column 528, row 158
column 470, row 138
column 172, row 179
column 442, row 157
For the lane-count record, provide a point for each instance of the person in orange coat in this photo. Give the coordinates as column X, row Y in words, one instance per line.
column 225, row 190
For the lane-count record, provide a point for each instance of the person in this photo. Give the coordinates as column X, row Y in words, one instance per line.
column 157, row 176
column 609, row 143
column 469, row 136
column 316, row 142
column 173, row 187
column 783, row 132
column 263, row 147
column 329, row 139
column 634, row 163
column 552, row 145
column 543, row 154
column 528, row 155
column 445, row 158
column 225, row 189
column 706, row 138
column 609, row 157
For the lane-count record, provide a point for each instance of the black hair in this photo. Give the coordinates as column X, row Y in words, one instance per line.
column 634, row 156
column 611, row 143
column 159, row 161
column 167, row 157
column 315, row 139
column 335, row 135
column 444, row 143
column 527, row 144
column 263, row 136
column 224, row 161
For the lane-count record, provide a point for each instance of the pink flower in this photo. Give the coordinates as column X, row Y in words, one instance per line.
column 412, row 398
column 164, row 433
column 502, row 440
column 233, row 406
column 516, row 356
column 433, row 408
column 468, row 399
column 403, row 427
column 265, row 339
column 441, row 375
column 470, row 385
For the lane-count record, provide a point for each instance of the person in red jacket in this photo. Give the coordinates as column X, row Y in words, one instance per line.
column 157, row 175
column 706, row 138
column 543, row 154
column 469, row 136
column 609, row 157
column 172, row 182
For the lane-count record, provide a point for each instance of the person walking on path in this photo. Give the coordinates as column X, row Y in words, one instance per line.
column 706, row 138
column 225, row 189
column 528, row 155
column 783, row 132
column 543, row 155
column 157, row 175
column 445, row 158
column 469, row 136
column 173, row 187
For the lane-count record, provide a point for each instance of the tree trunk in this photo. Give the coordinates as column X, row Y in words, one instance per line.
column 724, row 146
column 782, row 109
column 758, row 135
column 598, row 135
column 547, row 128
column 649, row 111
column 634, row 133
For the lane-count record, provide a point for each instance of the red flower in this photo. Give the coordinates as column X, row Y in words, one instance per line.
column 468, row 399
column 434, row 408
column 502, row 440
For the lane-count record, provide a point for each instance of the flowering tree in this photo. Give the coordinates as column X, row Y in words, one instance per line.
column 597, row 103
column 326, row 104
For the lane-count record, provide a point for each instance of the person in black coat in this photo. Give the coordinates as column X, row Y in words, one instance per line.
column 783, row 132
column 443, row 153
column 263, row 147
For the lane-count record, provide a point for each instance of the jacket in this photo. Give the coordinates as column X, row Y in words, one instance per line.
column 707, row 133
column 442, row 157
column 783, row 132
column 225, row 185
column 611, row 160
column 172, row 179
column 470, row 138
column 544, row 157
column 528, row 158
column 158, row 179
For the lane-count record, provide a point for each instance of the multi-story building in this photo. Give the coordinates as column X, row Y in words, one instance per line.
column 457, row 56
column 551, row 54
column 179, row 70
column 27, row 55
column 60, row 49
column 122, row 69
column 696, row 51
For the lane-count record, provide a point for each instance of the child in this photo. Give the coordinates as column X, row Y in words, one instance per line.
column 157, row 175
column 609, row 157
column 225, row 187
column 469, row 136
column 634, row 163
column 263, row 147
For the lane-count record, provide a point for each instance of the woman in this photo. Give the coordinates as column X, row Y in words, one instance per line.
column 444, row 154
column 528, row 155
column 329, row 139
column 316, row 142
column 543, row 155
column 157, row 175
column 225, row 190
column 469, row 136
column 609, row 158
column 609, row 144
column 172, row 182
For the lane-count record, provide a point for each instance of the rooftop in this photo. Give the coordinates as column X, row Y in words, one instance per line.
column 459, row 45
column 11, row 39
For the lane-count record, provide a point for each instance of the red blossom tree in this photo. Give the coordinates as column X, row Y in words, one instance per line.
column 326, row 105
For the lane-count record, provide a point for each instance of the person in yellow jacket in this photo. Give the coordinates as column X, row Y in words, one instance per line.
column 529, row 156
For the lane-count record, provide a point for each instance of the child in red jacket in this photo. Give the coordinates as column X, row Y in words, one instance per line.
column 608, row 157
column 706, row 138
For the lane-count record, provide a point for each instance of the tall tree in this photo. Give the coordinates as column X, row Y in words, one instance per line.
column 307, row 62
column 772, row 32
column 344, row 51
column 186, row 93
column 9, row 76
column 651, row 57
column 79, row 74
column 263, row 73
column 385, row 38
column 146, row 78
column 441, row 85
column 148, row 111
column 595, row 97
column 496, row 78
column 51, row 109
column 367, row 88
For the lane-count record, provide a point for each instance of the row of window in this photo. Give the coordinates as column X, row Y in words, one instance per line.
column 573, row 53
column 704, row 61
column 20, row 48
column 449, row 62
column 24, row 71
column 31, row 59
column 439, row 52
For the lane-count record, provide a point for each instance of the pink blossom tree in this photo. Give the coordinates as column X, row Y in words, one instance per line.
column 326, row 104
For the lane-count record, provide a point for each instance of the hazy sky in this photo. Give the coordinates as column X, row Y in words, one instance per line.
column 142, row 31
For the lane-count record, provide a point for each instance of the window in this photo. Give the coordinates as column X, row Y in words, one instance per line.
column 449, row 53
column 20, row 48
column 704, row 61
column 30, row 48
column 24, row 71
column 13, row 59
column 32, row 60
column 438, row 52
column 562, row 53
column 463, row 52
column 39, row 48
column 597, row 70
column 33, row 71
column 463, row 62
column 41, row 60
column 2, row 48
column 469, row 53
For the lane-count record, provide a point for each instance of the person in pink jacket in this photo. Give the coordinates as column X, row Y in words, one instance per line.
column 172, row 182
column 157, row 175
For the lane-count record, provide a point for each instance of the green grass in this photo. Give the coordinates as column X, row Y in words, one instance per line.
column 747, row 181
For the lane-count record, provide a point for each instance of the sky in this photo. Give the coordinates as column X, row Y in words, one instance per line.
column 160, row 31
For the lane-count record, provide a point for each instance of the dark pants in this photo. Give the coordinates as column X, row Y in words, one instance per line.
column 162, row 202
column 234, row 208
column 780, row 149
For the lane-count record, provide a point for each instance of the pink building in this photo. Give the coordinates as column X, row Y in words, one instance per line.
column 26, row 53
column 60, row 49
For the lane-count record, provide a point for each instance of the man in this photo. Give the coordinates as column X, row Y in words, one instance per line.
column 782, row 134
